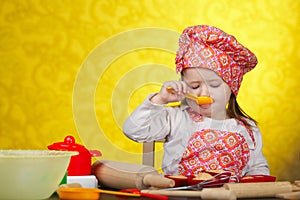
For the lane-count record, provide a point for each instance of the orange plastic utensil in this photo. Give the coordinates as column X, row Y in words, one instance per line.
column 88, row 193
column 201, row 100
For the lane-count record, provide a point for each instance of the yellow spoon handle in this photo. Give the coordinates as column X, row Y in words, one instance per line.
column 201, row 100
column 171, row 90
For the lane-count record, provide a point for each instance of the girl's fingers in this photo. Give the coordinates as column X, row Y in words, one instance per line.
column 178, row 87
column 173, row 90
column 182, row 87
column 185, row 88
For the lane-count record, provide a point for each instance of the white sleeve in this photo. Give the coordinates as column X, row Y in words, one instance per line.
column 148, row 122
column 257, row 164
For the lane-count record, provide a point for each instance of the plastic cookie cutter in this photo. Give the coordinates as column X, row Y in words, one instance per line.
column 200, row 100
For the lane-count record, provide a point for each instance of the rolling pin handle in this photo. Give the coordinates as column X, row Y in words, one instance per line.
column 158, row 181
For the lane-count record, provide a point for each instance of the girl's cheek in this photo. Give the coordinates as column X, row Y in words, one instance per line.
column 221, row 96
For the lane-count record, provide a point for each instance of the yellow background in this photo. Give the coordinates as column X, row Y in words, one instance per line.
column 44, row 45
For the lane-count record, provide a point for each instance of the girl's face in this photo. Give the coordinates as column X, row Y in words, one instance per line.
column 204, row 82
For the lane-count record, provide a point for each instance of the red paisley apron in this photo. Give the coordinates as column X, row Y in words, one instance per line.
column 210, row 149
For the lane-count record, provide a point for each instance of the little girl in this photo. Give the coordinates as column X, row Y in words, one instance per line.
column 216, row 136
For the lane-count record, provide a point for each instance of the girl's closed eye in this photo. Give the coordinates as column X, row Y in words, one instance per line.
column 195, row 87
column 215, row 84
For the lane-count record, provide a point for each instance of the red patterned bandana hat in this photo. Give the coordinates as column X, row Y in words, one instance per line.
column 211, row 48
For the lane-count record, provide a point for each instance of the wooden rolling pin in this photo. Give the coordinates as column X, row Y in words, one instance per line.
column 206, row 193
column 256, row 190
column 289, row 195
column 120, row 175
column 158, row 181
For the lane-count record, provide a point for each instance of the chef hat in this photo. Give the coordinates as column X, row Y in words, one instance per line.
column 211, row 48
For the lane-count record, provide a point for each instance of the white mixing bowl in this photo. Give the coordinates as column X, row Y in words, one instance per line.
column 32, row 174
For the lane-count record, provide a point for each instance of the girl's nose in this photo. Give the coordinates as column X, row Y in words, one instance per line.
column 204, row 90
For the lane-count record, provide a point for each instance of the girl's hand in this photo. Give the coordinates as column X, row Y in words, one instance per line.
column 164, row 97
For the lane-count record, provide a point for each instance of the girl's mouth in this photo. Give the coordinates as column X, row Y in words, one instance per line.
column 205, row 106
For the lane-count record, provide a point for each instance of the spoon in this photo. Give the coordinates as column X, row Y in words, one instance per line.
column 200, row 100
column 89, row 193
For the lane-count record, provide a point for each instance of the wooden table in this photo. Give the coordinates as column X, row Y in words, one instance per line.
column 114, row 197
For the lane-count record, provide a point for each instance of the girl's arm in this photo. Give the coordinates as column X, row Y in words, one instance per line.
column 148, row 122
column 258, row 164
column 151, row 120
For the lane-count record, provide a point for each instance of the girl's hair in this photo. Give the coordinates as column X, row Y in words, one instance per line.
column 235, row 111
